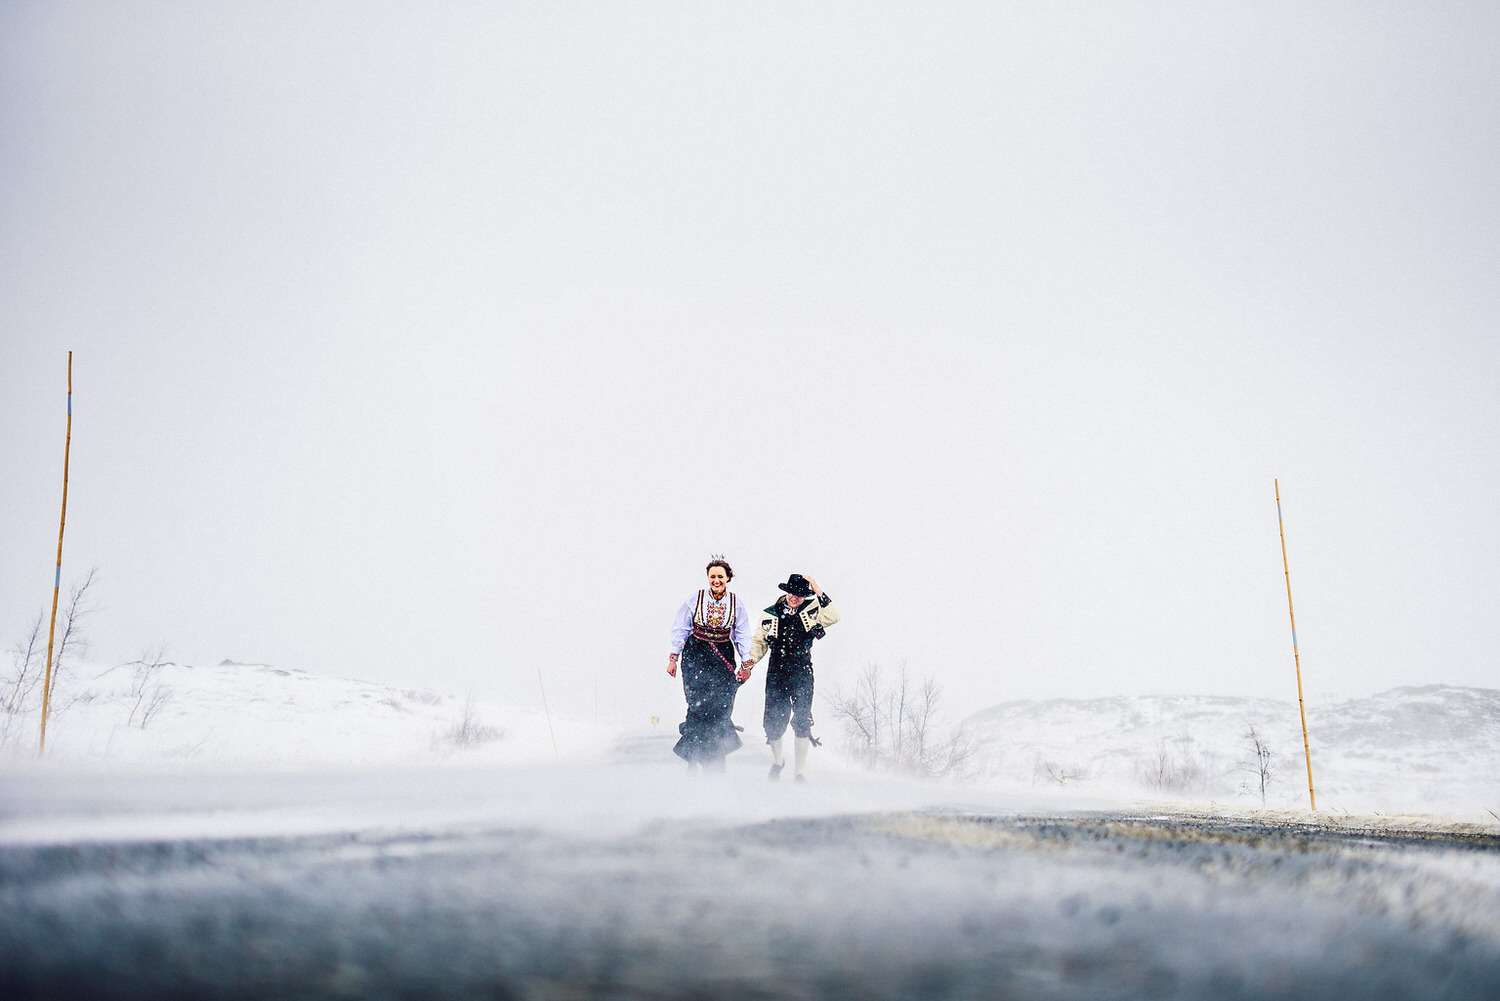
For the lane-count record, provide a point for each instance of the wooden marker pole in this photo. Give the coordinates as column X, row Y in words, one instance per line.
column 57, row 577
column 1296, row 658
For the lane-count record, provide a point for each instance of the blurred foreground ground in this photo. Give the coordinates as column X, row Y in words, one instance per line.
column 631, row 880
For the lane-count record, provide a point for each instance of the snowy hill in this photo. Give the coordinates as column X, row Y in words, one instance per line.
column 1432, row 748
column 260, row 715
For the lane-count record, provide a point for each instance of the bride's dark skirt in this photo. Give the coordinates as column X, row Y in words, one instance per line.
column 708, row 733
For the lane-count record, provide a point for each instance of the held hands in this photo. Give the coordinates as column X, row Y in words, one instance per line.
column 742, row 674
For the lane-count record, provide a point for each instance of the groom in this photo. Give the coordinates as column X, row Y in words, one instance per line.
column 788, row 629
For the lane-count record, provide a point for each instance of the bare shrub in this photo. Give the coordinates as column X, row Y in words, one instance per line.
column 1059, row 773
column 895, row 724
column 468, row 730
column 191, row 749
column 19, row 686
column 957, row 750
column 71, row 644
column 1177, row 767
column 1259, row 766
column 859, row 716
column 23, row 687
column 147, row 693
column 154, row 704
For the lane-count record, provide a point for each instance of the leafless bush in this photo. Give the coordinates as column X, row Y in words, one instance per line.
column 23, row 686
column 1176, row 767
column 1061, row 774
column 19, row 694
column 1165, row 771
column 72, row 644
column 147, row 693
column 1260, row 765
column 957, row 750
column 191, row 749
column 468, row 730
column 896, row 724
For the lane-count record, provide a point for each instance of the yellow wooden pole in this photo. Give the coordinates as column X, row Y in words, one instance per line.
column 57, row 576
column 1296, row 658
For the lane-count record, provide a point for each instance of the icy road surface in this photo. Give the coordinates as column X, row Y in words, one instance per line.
column 631, row 880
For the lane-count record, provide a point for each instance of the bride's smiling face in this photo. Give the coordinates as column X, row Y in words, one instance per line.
column 718, row 581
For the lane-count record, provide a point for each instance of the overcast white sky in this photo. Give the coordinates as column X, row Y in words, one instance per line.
column 440, row 343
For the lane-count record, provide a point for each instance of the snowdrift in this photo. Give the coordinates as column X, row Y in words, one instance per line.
column 1434, row 748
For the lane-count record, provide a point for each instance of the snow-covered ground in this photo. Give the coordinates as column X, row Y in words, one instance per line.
column 1427, row 750
column 1430, row 749
column 627, row 878
column 269, row 833
column 274, row 742
column 256, row 715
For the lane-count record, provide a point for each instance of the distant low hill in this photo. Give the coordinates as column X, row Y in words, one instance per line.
column 234, row 713
column 1429, row 748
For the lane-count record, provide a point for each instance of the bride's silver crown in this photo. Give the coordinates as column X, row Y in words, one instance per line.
column 717, row 558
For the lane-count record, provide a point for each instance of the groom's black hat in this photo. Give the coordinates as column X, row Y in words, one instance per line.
column 798, row 585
